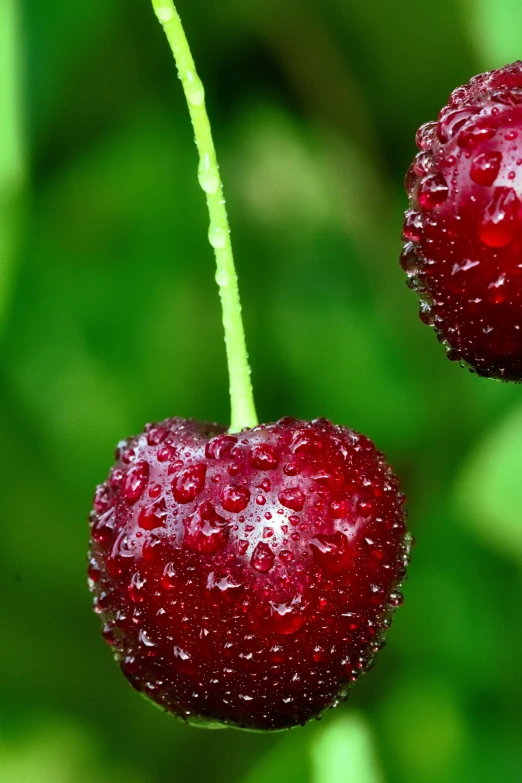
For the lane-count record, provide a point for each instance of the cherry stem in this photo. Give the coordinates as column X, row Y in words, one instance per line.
column 243, row 411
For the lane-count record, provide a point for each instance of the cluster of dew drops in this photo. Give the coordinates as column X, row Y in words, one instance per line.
column 463, row 231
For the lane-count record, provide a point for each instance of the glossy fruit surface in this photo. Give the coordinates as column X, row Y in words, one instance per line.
column 463, row 231
column 247, row 579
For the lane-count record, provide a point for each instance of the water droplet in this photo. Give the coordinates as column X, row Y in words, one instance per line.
column 411, row 181
column 127, row 455
column 396, row 598
column 220, row 445
column 286, row 555
column 474, row 135
column 468, row 264
column 235, row 468
column 499, row 281
column 218, row 237
column 135, row 482
column 452, row 120
column 207, row 176
column 189, row 482
column 122, row 552
column 136, row 588
column 425, row 314
column 305, row 442
column 153, row 515
column 205, row 531
column 194, row 89
column 331, row 553
column 101, row 499
column 412, row 227
column 264, row 457
column 422, row 163
column 364, row 507
column 169, row 578
column 485, row 167
column 225, row 586
column 93, row 571
column 222, row 278
column 164, row 12
column 506, row 97
column 262, row 558
column 181, row 654
column 410, row 260
column 116, row 477
column 145, row 639
column 293, row 498
column 426, row 135
column 235, row 498
column 433, row 191
column 108, row 634
column 498, row 225
column 338, row 509
column 103, row 528
column 166, row 454
column 155, row 491
column 292, row 469
column 152, row 548
column 287, row 618
column 156, row 435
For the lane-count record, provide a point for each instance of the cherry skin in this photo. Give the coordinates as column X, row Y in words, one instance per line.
column 463, row 231
column 249, row 579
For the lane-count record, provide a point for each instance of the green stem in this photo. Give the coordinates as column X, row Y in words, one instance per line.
column 243, row 412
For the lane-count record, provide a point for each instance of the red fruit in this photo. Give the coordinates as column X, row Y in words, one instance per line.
column 463, row 232
column 248, row 579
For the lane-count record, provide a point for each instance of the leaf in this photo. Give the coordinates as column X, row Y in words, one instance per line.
column 287, row 760
column 496, row 25
column 489, row 490
column 344, row 751
column 58, row 750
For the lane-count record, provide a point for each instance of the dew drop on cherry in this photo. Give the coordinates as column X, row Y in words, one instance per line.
column 292, row 498
column 189, row 482
column 262, row 558
column 433, row 191
column 235, row 498
column 264, row 457
column 135, row 482
column 500, row 218
column 331, row 553
column 485, row 167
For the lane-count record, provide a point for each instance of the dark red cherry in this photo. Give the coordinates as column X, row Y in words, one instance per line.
column 247, row 579
column 463, row 231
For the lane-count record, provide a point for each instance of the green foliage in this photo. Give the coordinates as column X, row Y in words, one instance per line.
column 111, row 319
column 344, row 751
column 11, row 149
column 496, row 27
column 490, row 489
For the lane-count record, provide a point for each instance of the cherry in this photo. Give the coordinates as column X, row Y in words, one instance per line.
column 247, row 579
column 463, row 231
column 247, row 576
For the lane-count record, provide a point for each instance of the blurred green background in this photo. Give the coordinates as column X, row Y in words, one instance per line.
column 109, row 318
